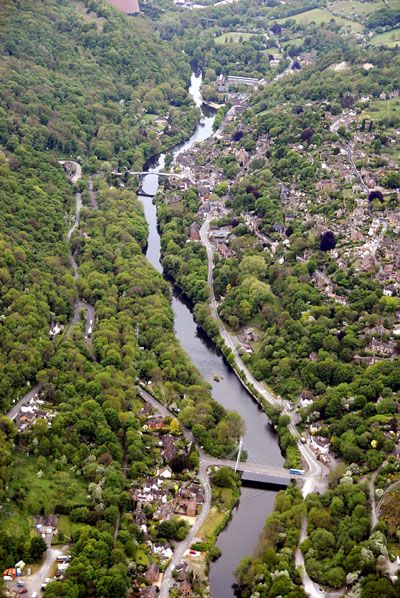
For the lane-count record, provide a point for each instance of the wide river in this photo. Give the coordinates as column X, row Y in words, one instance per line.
column 261, row 443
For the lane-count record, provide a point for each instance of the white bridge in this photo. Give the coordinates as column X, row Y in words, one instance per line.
column 172, row 175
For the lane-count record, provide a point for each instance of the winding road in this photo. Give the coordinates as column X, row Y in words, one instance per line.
column 184, row 545
column 309, row 586
column 317, row 472
column 79, row 304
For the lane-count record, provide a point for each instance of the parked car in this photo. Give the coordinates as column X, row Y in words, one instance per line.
column 23, row 591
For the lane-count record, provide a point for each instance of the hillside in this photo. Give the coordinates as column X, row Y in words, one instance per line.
column 72, row 84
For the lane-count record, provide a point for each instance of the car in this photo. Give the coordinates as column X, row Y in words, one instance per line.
column 23, row 591
column 20, row 584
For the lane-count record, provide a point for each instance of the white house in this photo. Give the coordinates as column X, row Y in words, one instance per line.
column 321, row 444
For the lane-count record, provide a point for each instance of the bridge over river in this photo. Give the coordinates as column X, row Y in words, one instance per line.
column 256, row 471
column 171, row 175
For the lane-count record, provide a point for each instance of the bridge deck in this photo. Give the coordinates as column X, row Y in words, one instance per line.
column 256, row 468
column 145, row 173
column 261, row 479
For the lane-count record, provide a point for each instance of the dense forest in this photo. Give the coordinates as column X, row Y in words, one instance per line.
column 78, row 95
column 83, row 81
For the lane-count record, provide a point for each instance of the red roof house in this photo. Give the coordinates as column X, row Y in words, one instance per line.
column 129, row 7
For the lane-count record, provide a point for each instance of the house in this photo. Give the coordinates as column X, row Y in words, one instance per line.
column 164, row 551
column 221, row 84
column 148, row 592
column 321, row 444
column 164, row 512
column 191, row 508
column 147, row 409
column 152, row 574
column 168, row 451
column 306, row 398
column 55, row 330
column 181, row 571
column 165, row 473
column 225, row 251
column 185, row 588
column 236, row 80
column 140, row 518
column 194, row 232
column 129, row 7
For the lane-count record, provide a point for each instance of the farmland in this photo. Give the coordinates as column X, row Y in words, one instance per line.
column 354, row 8
column 232, row 37
column 389, row 38
column 319, row 16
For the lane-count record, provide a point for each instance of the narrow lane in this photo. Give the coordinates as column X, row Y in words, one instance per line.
column 79, row 304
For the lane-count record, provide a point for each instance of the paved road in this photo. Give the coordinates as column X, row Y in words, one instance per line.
column 79, row 305
column 147, row 172
column 374, row 514
column 185, row 544
column 309, row 586
column 246, row 467
column 316, row 470
column 35, row 581
column 349, row 149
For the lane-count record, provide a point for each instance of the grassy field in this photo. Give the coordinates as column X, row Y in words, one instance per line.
column 235, row 36
column 321, row 15
column 42, row 493
column 216, row 516
column 389, row 38
column 66, row 527
column 213, row 521
column 377, row 109
column 352, row 7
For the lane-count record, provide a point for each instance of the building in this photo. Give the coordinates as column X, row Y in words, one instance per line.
column 194, row 232
column 237, row 80
column 321, row 444
column 191, row 508
column 152, row 574
column 129, row 7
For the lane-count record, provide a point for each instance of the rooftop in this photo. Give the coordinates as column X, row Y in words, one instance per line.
column 129, row 7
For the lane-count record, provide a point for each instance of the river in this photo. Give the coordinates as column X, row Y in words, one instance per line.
column 259, row 440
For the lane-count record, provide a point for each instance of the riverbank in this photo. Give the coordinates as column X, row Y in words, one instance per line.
column 260, row 441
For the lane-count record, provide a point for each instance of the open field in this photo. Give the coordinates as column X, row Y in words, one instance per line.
column 66, row 527
column 41, row 493
column 233, row 37
column 352, row 7
column 212, row 523
column 378, row 109
column 389, row 38
column 321, row 15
